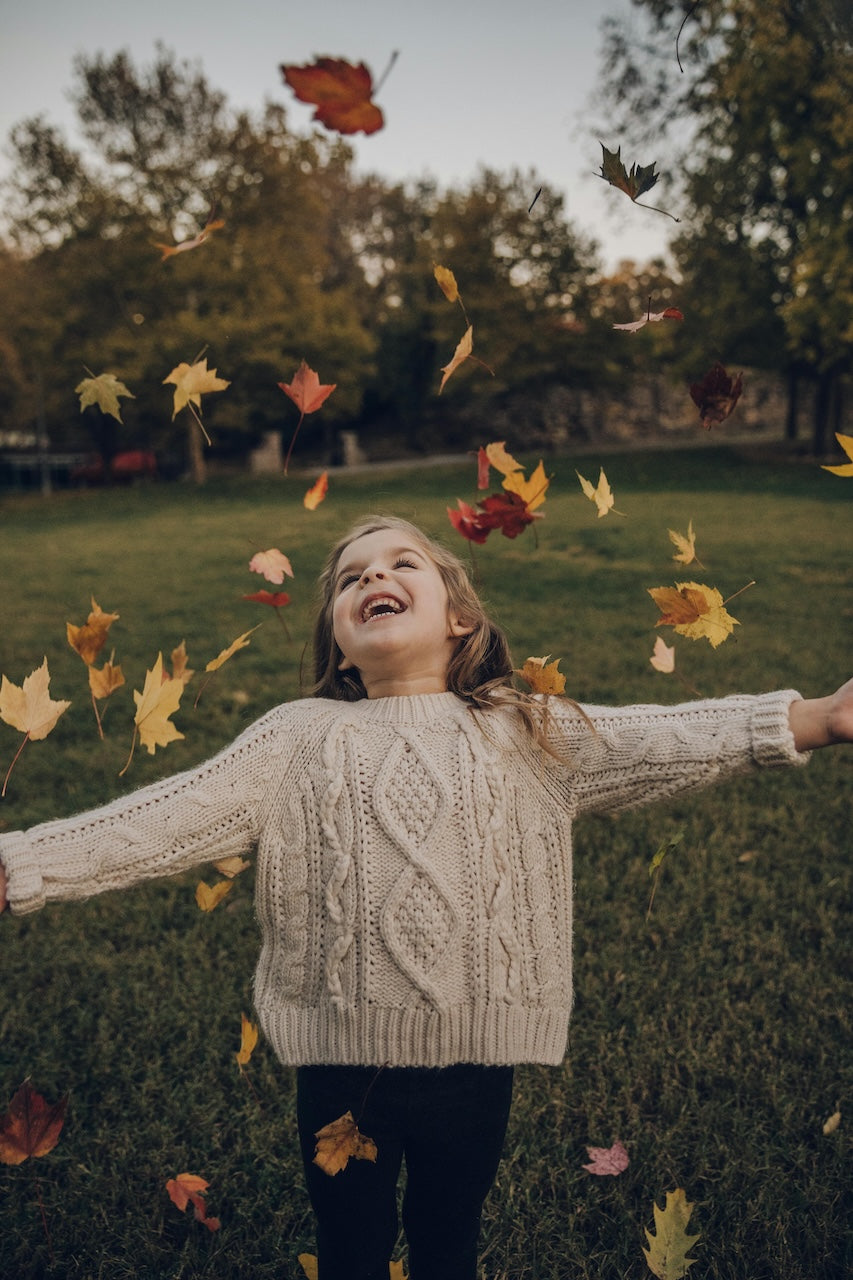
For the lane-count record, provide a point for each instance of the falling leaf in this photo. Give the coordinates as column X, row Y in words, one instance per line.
column 543, row 676
column 601, row 495
column 104, row 391
column 90, row 639
column 844, row 468
column 30, row 707
column 316, row 493
column 276, row 599
column 641, row 178
column 105, row 681
column 233, row 866
column 338, row 1142
column 482, row 469
column 446, row 281
column 607, row 1160
column 239, row 643
column 186, row 1189
column 716, row 395
column 532, row 491
column 180, row 670
column 671, row 313
column 191, row 382
column 463, row 350
column 686, row 552
column 663, row 657
column 667, row 1252
column 308, row 394
column 663, row 850
column 248, row 1040
column 469, row 522
column 832, row 1123
column 169, row 250
column 208, row 897
column 272, row 564
column 31, row 1126
column 502, row 461
column 694, row 611
column 158, row 701
column 508, row 512
column 340, row 91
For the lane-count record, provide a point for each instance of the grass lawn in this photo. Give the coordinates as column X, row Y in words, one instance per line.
column 713, row 1037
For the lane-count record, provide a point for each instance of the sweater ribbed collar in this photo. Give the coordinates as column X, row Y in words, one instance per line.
column 416, row 708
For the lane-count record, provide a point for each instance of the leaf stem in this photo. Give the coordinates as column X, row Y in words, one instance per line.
column 132, row 749
column 293, row 440
column 12, row 765
column 654, row 208
column 97, row 716
column 737, row 593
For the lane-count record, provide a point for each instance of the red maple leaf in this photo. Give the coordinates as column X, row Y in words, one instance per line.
column 468, row 521
column 308, row 394
column 505, row 511
column 340, row 92
column 716, row 395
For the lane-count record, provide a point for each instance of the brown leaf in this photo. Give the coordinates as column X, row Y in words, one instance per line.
column 716, row 395
column 338, row 1142
column 341, row 92
column 31, row 1126
column 90, row 639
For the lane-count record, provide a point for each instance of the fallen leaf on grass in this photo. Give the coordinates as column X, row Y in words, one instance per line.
column 186, row 1189
column 104, row 391
column 606, row 1161
column 831, row 1124
column 248, row 1041
column 543, row 676
column 208, row 897
column 667, row 1252
column 31, row 1126
column 308, row 1263
column 338, row 1142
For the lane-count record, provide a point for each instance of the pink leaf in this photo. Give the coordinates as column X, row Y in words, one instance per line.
column 607, row 1160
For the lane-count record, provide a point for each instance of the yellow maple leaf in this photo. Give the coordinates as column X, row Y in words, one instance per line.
column 90, row 639
column 239, row 643
column 663, row 657
column 232, row 867
column 29, row 707
column 531, row 491
column 248, row 1040
column 695, row 611
column 340, row 1141
column 686, row 546
column 844, row 468
column 667, row 1252
column 104, row 391
column 180, row 670
column 446, row 281
column 502, row 461
column 191, row 382
column 158, row 700
column 105, row 681
column 464, row 347
column 543, row 676
column 209, row 896
column 601, row 495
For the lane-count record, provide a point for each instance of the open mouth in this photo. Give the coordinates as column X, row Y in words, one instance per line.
column 381, row 607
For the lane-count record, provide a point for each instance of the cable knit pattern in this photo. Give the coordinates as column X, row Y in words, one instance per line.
column 414, row 859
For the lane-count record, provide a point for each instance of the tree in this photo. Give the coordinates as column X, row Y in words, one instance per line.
column 766, row 173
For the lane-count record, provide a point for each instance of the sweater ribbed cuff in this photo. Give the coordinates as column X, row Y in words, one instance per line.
column 25, row 887
column 772, row 739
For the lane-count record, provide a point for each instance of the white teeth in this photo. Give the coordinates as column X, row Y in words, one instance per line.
column 381, row 606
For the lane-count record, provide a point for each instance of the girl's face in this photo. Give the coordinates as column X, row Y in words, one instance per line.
column 390, row 615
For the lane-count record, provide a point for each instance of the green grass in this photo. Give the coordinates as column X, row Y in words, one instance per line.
column 714, row 1038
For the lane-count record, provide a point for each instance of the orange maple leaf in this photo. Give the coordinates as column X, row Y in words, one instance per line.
column 308, row 394
column 31, row 1126
column 90, row 639
column 316, row 493
column 543, row 676
column 341, row 92
column 340, row 1140
column 186, row 1189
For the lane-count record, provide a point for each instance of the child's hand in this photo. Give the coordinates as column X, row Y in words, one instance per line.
column 822, row 722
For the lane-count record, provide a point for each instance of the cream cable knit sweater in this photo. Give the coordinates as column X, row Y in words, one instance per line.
column 414, row 880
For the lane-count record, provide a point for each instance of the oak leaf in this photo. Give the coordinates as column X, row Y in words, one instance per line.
column 104, row 391
column 340, row 91
column 31, row 1126
column 272, row 564
column 186, row 1189
column 208, row 897
column 221, row 658
column 191, row 382
column 601, row 495
column 695, row 611
column 663, row 656
column 90, row 639
column 607, row 1160
column 308, row 394
column 716, row 395
column 543, row 676
column 248, row 1041
column 464, row 347
column 667, row 1253
column 341, row 1141
column 670, row 313
column 316, row 493
column 843, row 468
column 183, row 246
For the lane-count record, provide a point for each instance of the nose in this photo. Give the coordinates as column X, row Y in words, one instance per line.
column 370, row 573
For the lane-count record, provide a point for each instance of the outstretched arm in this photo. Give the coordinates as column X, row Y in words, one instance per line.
column 823, row 722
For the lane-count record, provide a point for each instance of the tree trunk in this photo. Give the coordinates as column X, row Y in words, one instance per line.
column 197, row 467
column 791, row 419
column 823, row 401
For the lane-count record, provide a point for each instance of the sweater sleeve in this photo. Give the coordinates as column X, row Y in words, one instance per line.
column 635, row 755
column 206, row 813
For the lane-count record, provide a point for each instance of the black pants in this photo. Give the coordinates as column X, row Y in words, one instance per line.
column 448, row 1122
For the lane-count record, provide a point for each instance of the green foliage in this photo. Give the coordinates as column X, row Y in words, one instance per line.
column 713, row 1039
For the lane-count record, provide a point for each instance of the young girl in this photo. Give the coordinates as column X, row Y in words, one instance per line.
column 412, row 823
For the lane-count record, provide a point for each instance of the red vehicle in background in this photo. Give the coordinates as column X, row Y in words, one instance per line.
column 132, row 464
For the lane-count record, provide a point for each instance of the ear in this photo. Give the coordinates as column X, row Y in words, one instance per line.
column 345, row 664
column 457, row 629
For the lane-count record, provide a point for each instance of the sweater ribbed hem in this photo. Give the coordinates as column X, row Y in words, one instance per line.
column 25, row 889
column 494, row 1035
column 772, row 739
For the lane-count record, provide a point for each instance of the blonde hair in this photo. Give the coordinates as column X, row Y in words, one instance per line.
column 480, row 670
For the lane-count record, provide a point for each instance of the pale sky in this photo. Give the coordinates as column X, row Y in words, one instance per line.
column 476, row 82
